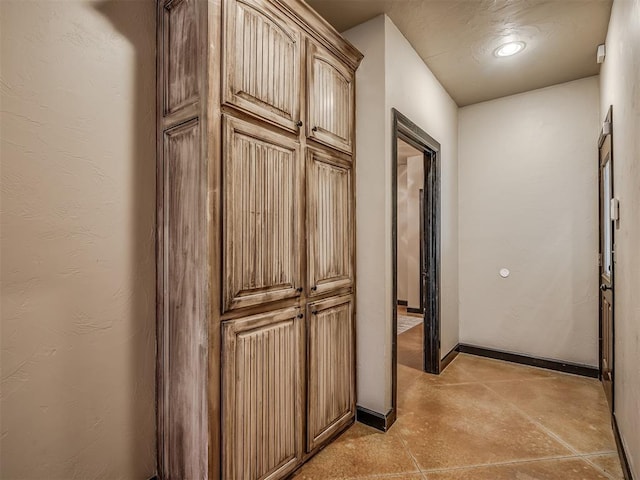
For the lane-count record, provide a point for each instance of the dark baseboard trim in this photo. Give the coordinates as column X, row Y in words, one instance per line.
column 376, row 420
column 403, row 302
column 566, row 367
column 413, row 310
column 624, row 460
column 448, row 358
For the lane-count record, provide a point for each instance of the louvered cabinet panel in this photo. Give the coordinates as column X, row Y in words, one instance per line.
column 331, row 378
column 329, row 222
column 262, row 395
column 261, row 215
column 330, row 99
column 262, row 58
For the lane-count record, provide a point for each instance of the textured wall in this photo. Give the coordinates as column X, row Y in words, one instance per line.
column 78, row 169
column 373, row 238
column 620, row 87
column 529, row 202
column 412, row 89
column 391, row 66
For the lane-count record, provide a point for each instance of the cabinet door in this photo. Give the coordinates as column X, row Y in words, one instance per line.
column 331, row 380
column 262, row 395
column 261, row 215
column 330, row 96
column 329, row 222
column 262, row 57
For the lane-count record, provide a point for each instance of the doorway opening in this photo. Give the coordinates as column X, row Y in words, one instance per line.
column 608, row 219
column 415, row 248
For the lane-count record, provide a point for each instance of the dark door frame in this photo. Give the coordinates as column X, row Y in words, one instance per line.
column 406, row 130
column 603, row 135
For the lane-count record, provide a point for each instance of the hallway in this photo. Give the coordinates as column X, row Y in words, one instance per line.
column 481, row 419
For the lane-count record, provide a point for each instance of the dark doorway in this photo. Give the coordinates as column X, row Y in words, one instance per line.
column 425, row 301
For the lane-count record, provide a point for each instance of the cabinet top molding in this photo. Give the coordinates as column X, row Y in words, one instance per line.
column 312, row 23
column 315, row 25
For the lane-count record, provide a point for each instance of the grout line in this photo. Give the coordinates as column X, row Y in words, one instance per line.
column 408, row 450
column 598, row 467
column 542, row 427
column 510, row 462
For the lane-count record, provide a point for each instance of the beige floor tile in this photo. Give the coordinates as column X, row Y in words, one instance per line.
column 610, row 463
column 360, row 452
column 460, row 425
column 569, row 469
column 574, row 408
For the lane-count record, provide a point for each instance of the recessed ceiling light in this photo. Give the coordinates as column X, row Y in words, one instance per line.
column 509, row 49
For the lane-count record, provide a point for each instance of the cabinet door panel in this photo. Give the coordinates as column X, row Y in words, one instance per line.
column 329, row 218
column 331, row 381
column 330, row 99
column 262, row 394
column 261, row 216
column 262, row 62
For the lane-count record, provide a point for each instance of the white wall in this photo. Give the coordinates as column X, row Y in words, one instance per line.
column 403, row 238
column 373, row 238
column 415, row 181
column 620, row 87
column 78, row 215
column 529, row 202
column 412, row 89
column 393, row 67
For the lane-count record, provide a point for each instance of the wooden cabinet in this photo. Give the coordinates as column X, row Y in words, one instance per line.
column 261, row 215
column 329, row 222
column 331, row 377
column 263, row 360
column 262, row 58
column 330, row 99
column 255, row 265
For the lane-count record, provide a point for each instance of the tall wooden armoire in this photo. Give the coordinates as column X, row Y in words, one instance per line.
column 255, row 237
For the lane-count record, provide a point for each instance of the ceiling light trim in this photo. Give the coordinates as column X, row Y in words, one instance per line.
column 509, row 49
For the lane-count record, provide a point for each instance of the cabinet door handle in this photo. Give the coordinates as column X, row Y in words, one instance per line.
column 299, row 123
column 299, row 290
column 314, row 129
column 300, row 315
column 315, row 312
column 314, row 288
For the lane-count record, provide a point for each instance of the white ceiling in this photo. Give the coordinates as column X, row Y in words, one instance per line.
column 456, row 39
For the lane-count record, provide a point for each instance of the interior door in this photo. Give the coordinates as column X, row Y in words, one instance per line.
column 607, row 261
column 430, row 269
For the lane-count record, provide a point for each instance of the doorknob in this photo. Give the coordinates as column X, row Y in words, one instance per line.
column 604, row 287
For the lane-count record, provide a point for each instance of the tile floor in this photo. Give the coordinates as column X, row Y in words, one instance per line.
column 481, row 419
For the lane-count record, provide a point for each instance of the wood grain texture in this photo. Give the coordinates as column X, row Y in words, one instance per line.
column 330, row 99
column 232, row 230
column 329, row 222
column 182, row 346
column 180, row 59
column 331, row 377
column 261, row 214
column 262, row 59
column 263, row 387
